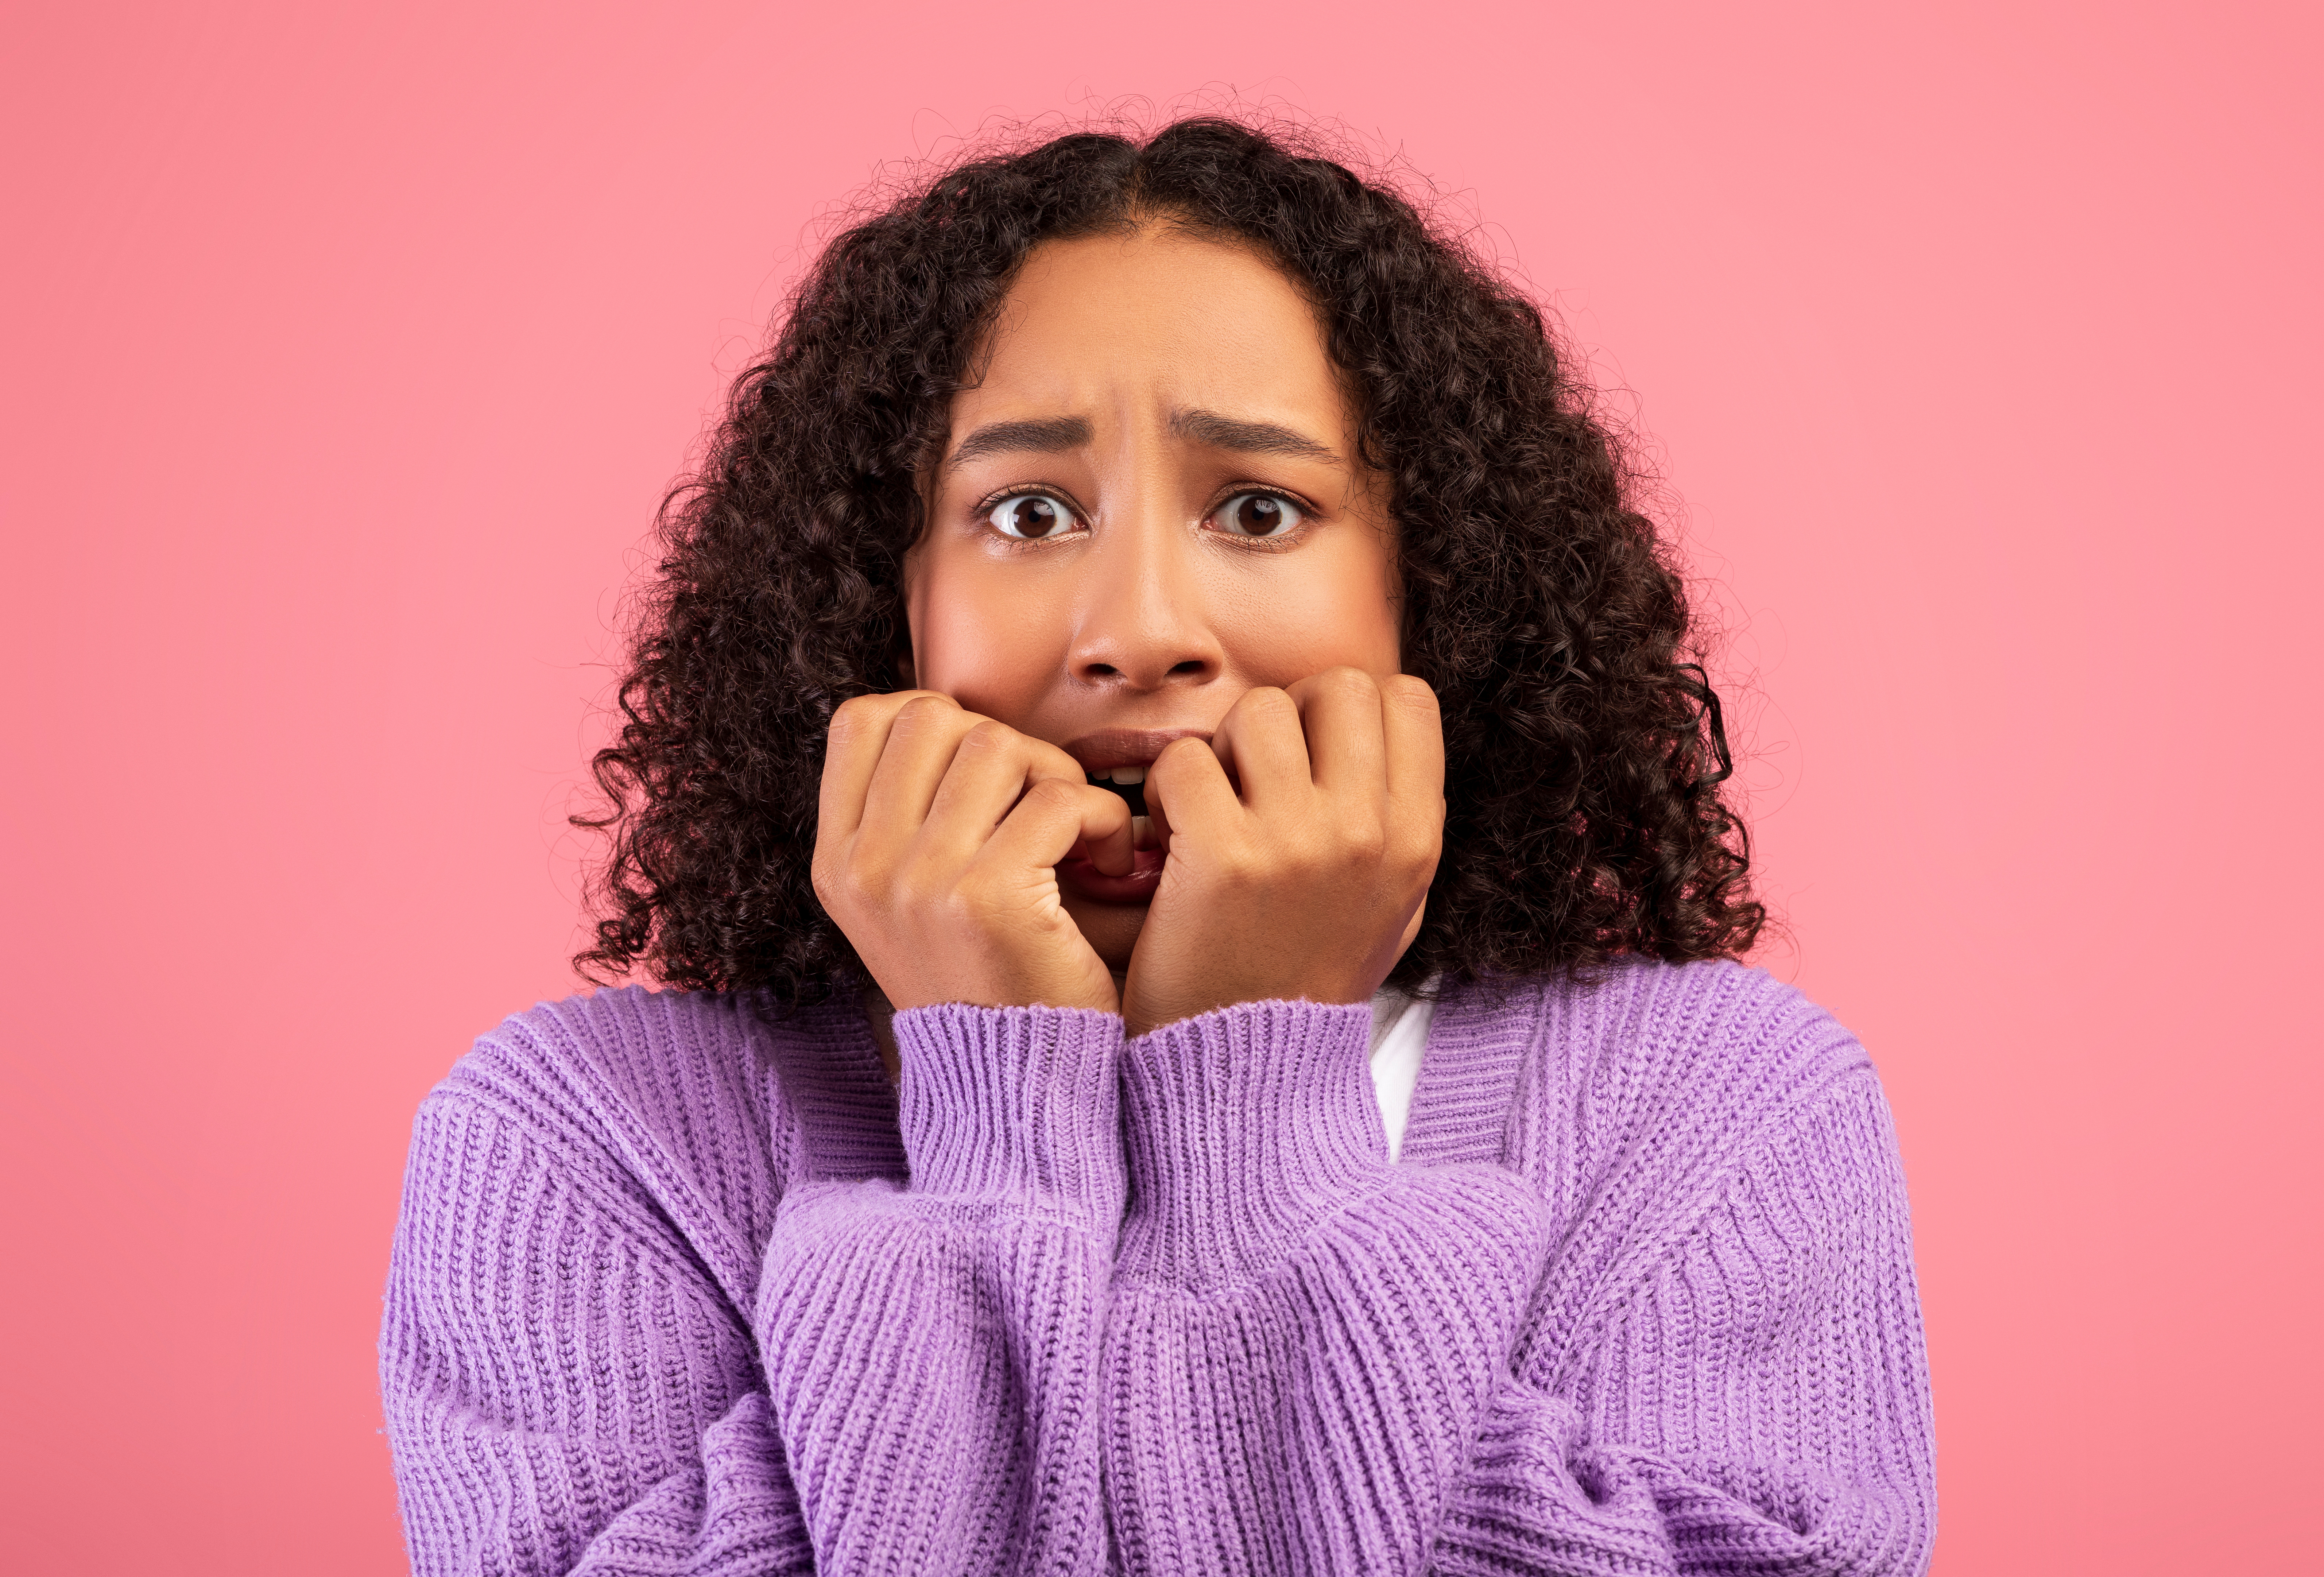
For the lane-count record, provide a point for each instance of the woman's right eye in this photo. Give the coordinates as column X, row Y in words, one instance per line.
column 1030, row 516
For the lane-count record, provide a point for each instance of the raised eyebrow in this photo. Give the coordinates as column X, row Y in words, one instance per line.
column 1052, row 435
column 1250, row 438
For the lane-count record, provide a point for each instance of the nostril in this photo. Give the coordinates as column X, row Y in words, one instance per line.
column 1192, row 665
column 1103, row 669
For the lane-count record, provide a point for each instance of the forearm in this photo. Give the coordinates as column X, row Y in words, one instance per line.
column 1304, row 1337
column 524, row 1443
column 932, row 1349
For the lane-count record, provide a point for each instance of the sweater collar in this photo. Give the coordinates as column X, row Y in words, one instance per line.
column 1477, row 1046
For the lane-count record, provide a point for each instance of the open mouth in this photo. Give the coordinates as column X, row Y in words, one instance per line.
column 1129, row 783
column 1146, row 855
column 1117, row 761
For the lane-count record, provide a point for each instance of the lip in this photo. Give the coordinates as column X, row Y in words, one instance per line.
column 1085, row 880
column 1109, row 748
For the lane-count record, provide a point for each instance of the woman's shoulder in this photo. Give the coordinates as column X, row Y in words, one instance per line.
column 662, row 1058
column 1712, row 1031
column 662, row 1096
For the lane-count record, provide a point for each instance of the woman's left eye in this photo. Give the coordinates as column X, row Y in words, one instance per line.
column 1258, row 514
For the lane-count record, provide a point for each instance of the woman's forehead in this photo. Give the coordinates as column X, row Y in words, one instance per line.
column 1153, row 321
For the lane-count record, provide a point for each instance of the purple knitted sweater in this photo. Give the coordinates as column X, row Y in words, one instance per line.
column 680, row 1290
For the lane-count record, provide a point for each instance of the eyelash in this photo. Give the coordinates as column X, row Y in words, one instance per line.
column 991, row 501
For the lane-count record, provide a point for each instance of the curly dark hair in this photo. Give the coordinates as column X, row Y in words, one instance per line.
column 1584, row 816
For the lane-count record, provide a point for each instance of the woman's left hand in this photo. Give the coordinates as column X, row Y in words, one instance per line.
column 1309, row 881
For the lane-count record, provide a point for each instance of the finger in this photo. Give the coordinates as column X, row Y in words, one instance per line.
column 1056, row 817
column 1188, row 786
column 991, row 768
column 918, row 752
column 1413, row 730
column 857, row 736
column 1339, row 716
column 1263, row 744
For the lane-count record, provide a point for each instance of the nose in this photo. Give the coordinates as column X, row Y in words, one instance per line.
column 1144, row 623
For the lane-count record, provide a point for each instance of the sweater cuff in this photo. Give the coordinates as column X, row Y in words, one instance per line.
column 1244, row 1128
column 1014, row 1105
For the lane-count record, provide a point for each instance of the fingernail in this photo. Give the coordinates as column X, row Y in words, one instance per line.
column 1141, row 831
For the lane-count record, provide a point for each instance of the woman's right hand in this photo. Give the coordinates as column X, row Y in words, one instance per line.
column 936, row 849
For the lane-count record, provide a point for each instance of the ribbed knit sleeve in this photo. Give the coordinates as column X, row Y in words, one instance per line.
column 566, row 1387
column 1320, row 1362
column 932, row 1349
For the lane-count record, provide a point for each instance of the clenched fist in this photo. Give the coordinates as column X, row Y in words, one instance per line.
column 936, row 851
column 1302, row 840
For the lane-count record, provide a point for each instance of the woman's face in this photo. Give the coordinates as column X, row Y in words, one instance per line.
column 1148, row 503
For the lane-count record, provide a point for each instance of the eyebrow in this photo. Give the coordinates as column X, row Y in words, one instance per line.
column 1056, row 435
column 1249, row 438
column 1050, row 436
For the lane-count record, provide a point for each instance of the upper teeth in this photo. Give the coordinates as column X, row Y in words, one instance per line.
column 1128, row 775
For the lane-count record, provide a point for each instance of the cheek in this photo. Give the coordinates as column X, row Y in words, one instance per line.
column 1331, row 611
column 990, row 641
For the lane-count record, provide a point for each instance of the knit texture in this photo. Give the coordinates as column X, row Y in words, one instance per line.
column 680, row 1287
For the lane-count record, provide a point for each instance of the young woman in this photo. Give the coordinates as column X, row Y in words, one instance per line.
column 1208, row 1036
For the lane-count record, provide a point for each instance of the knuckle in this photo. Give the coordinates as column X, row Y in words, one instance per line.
column 923, row 709
column 1045, row 754
column 1347, row 683
column 868, row 877
column 1408, row 690
column 845, row 891
column 987, row 735
column 852, row 717
column 916, row 887
column 1266, row 702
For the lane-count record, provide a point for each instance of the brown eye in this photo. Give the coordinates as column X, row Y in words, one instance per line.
column 1029, row 517
column 1258, row 514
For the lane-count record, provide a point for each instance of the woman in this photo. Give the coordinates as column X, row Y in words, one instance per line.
column 1158, row 643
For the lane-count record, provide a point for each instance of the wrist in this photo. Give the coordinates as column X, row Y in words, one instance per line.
column 1017, row 1104
column 930, row 973
column 1245, row 1127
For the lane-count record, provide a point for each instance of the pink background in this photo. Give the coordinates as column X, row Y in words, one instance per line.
column 347, row 359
